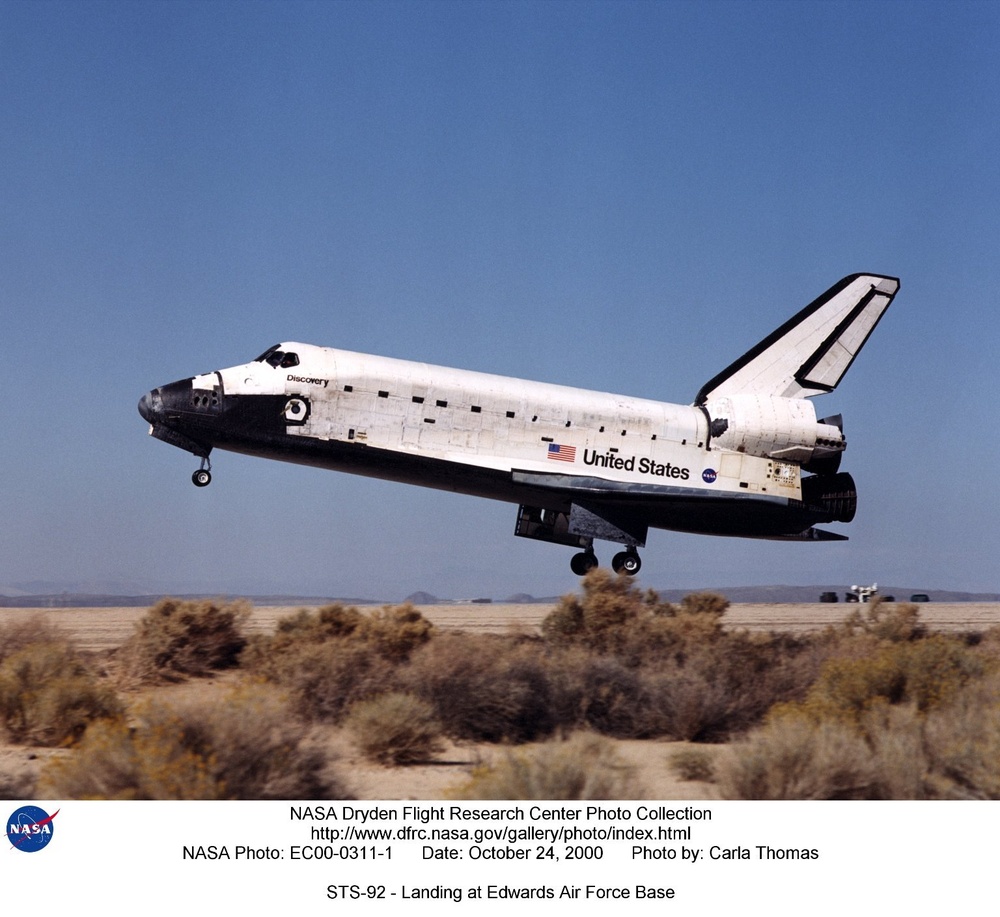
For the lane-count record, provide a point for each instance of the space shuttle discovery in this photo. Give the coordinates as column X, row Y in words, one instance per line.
column 748, row 458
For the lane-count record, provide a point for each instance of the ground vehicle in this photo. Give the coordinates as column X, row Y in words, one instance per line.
column 866, row 594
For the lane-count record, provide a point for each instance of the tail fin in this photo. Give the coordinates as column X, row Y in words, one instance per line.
column 809, row 354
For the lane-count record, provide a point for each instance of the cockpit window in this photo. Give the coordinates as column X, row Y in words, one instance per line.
column 263, row 357
column 276, row 358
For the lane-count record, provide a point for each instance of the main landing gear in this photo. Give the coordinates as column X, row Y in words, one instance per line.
column 577, row 528
column 626, row 562
column 584, row 562
column 203, row 476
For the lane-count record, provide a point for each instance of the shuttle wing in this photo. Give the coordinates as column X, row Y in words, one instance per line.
column 809, row 354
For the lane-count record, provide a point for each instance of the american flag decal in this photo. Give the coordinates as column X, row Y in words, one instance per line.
column 562, row 453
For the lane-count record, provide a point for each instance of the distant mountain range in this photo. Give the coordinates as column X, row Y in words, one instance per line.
column 104, row 600
column 19, row 598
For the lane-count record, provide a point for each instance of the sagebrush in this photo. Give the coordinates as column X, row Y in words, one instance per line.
column 176, row 639
column 395, row 728
column 245, row 745
column 48, row 695
column 583, row 766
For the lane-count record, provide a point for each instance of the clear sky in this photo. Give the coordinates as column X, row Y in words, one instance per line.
column 622, row 196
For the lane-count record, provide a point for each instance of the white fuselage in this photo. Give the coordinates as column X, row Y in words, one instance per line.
column 505, row 424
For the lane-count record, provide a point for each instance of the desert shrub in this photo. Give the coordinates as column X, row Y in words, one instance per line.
column 17, row 785
column 949, row 752
column 926, row 672
column 602, row 693
column 48, row 696
column 896, row 736
column 581, row 767
column 675, row 631
column 393, row 632
column 565, row 622
column 324, row 680
column 15, row 635
column 949, row 749
column 329, row 622
column 265, row 654
column 962, row 743
column 937, row 668
column 709, row 604
column 395, row 728
column 848, row 687
column 255, row 748
column 178, row 638
column 610, row 697
column 396, row 631
column 793, row 758
column 762, row 670
column 335, row 657
column 246, row 747
column 484, row 688
column 703, row 696
column 691, row 703
column 693, row 764
column 709, row 691
column 886, row 621
column 657, row 668
column 608, row 603
column 894, row 752
column 116, row 762
column 613, row 617
column 987, row 643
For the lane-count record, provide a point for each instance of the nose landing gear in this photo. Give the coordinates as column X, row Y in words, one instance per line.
column 203, row 476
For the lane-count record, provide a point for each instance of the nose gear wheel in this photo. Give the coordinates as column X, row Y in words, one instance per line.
column 203, row 476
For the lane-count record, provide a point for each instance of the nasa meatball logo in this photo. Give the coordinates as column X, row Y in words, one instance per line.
column 709, row 475
column 29, row 828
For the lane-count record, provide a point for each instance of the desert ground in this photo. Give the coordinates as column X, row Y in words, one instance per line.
column 101, row 629
column 98, row 629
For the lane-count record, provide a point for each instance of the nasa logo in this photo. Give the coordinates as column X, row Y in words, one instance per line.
column 30, row 828
column 709, row 475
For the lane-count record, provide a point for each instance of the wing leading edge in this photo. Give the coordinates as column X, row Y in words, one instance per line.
column 811, row 352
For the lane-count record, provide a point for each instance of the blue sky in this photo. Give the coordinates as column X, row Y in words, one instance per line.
column 617, row 196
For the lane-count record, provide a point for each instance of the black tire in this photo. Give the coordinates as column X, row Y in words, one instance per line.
column 202, row 478
column 627, row 562
column 583, row 563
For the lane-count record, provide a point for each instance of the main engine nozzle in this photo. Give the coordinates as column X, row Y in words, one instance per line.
column 833, row 494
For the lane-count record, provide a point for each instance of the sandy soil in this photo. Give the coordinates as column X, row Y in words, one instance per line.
column 101, row 629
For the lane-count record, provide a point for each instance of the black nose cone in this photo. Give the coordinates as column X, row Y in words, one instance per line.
column 150, row 405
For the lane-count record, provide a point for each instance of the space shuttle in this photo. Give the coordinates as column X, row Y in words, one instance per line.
column 748, row 458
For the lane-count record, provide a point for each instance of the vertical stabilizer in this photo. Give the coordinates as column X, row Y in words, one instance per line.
column 809, row 354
